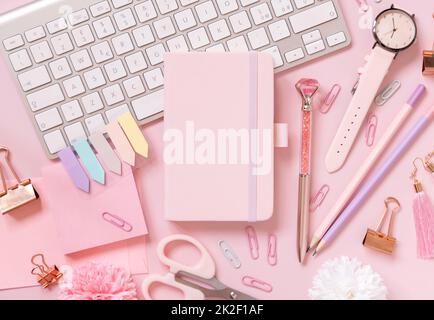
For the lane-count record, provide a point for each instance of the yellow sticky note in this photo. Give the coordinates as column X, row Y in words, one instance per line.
column 134, row 134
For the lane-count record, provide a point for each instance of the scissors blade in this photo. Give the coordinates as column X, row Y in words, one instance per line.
column 219, row 289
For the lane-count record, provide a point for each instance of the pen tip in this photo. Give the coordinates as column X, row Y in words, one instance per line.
column 314, row 253
column 308, row 249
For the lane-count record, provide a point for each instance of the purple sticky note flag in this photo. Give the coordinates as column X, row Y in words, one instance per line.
column 74, row 169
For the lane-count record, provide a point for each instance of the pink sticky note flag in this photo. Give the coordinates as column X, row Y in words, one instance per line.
column 121, row 143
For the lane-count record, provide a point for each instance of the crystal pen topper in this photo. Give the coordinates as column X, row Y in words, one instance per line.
column 307, row 89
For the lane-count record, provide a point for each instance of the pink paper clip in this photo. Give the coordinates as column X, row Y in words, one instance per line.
column 117, row 221
column 371, row 130
column 272, row 250
column 257, row 284
column 318, row 199
column 253, row 242
column 363, row 5
column 330, row 98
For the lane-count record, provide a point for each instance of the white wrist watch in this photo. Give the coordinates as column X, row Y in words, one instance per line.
column 394, row 30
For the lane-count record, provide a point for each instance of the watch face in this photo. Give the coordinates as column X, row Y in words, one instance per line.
column 395, row 29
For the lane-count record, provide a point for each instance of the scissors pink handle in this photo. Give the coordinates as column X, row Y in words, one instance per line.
column 205, row 268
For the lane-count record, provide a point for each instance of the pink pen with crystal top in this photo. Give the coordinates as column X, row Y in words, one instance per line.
column 307, row 89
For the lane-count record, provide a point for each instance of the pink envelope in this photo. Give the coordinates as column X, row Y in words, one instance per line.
column 31, row 229
column 81, row 218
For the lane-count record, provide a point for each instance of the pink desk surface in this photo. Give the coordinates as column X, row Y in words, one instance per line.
column 405, row 276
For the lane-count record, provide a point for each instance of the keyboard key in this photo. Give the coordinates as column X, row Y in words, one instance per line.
column 62, row 44
column 122, row 44
column 246, row 3
column 54, row 141
column 312, row 36
column 258, row 38
column 300, row 4
column 336, row 39
column 185, row 20
column 313, row 17
column 81, row 60
column 143, row 36
column 187, row 2
column 275, row 53
column 315, row 47
column 73, row 86
column 83, row 36
column 13, row 42
column 164, row 27
column 113, row 94
column 198, row 38
column 294, row 55
column 134, row 87
column 177, row 44
column 78, row 17
column 34, row 78
column 240, row 22
column 136, row 62
column 95, row 124
column 41, row 52
column 104, row 28
column 156, row 54
column 217, row 48
column 279, row 30
column 35, row 34
column 219, row 30
column 116, row 112
column 60, row 68
column 226, row 6
column 154, row 78
column 57, row 25
column 261, row 14
column 102, row 52
column 20, row 60
column 100, row 8
column 94, row 78
column 145, row 11
column 71, row 110
column 281, row 7
column 125, row 19
column 206, row 11
column 115, row 70
column 237, row 44
column 92, row 102
column 149, row 105
column 166, row 6
column 48, row 119
column 75, row 132
column 120, row 3
column 45, row 98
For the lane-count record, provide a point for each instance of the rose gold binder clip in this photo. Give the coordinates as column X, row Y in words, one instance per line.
column 330, row 99
column 376, row 239
column 47, row 276
column 14, row 196
column 428, row 62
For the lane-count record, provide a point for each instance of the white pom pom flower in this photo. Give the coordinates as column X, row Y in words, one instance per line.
column 347, row 279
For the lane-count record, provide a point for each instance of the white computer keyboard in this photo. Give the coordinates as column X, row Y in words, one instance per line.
column 81, row 63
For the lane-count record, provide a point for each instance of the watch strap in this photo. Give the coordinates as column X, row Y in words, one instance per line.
column 371, row 77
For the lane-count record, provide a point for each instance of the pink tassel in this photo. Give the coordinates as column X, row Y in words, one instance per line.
column 424, row 222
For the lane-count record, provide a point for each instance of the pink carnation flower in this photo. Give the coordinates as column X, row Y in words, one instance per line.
column 96, row 281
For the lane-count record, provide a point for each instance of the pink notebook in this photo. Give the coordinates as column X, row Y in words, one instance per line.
column 219, row 143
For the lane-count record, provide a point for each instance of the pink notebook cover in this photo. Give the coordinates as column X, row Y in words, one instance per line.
column 213, row 92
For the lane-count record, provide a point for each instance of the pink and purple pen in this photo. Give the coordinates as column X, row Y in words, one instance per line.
column 375, row 179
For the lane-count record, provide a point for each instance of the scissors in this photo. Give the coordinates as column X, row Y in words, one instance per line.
column 179, row 275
